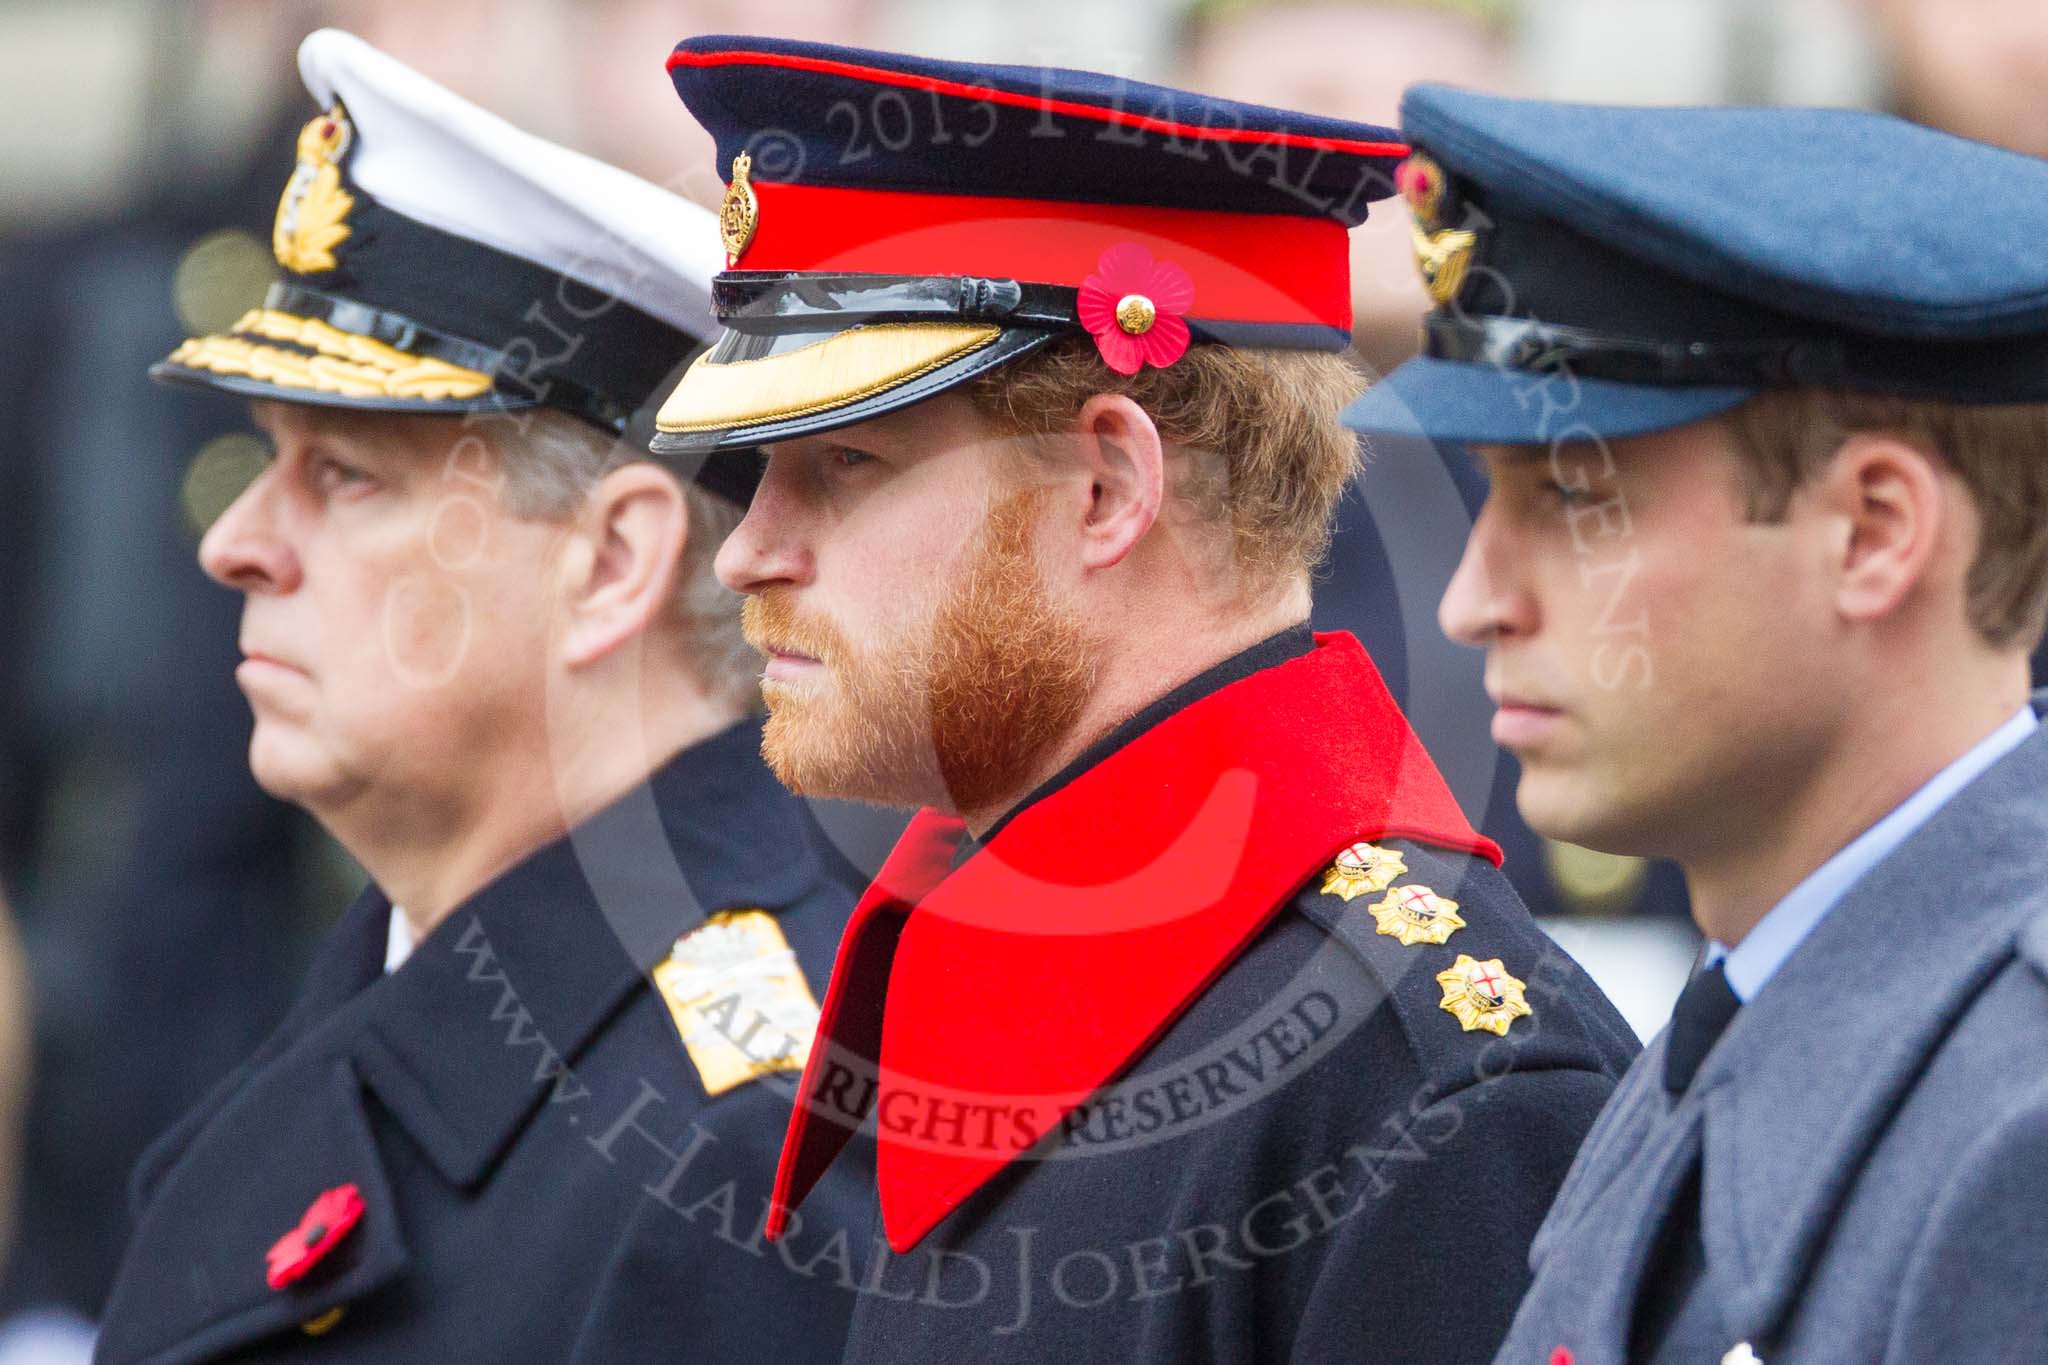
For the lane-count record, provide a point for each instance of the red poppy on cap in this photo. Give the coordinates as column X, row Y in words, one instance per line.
column 1135, row 308
column 325, row 1222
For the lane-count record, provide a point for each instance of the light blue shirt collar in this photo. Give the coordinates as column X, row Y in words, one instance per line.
column 1752, row 962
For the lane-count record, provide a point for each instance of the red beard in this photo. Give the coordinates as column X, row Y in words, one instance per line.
column 961, row 719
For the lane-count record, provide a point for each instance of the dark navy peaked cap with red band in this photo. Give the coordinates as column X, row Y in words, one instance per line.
column 895, row 226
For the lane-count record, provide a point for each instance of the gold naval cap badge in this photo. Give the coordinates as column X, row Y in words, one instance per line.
column 311, row 212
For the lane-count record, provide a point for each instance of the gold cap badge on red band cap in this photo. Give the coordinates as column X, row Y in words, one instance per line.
column 739, row 213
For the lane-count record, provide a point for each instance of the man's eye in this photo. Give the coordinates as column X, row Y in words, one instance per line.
column 1565, row 495
column 846, row 457
column 334, row 474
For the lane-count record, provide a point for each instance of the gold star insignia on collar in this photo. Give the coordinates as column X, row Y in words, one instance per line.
column 1362, row 868
column 1482, row 995
column 1416, row 914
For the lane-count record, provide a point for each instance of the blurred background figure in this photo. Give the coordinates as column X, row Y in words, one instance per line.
column 166, row 906
column 14, row 1042
column 160, row 895
column 1974, row 67
column 1352, row 59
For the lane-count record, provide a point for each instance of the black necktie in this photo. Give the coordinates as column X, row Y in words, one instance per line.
column 1704, row 1008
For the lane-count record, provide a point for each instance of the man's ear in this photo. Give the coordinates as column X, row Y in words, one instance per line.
column 1125, row 461
column 621, row 564
column 1889, row 500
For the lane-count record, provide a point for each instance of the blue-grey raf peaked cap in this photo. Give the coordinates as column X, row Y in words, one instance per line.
column 1611, row 271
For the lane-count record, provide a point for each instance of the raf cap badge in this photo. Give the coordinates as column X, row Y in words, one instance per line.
column 1482, row 995
column 1362, row 868
column 1441, row 254
column 1416, row 914
column 739, row 999
column 310, row 215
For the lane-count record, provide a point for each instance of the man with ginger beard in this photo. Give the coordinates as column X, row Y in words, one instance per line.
column 996, row 678
column 1193, row 1018
column 527, row 1104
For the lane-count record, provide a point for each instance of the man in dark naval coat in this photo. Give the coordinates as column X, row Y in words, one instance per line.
column 528, row 1105
column 1766, row 550
column 1195, row 1021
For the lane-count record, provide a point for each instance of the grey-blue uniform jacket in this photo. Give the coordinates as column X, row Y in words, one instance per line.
column 1871, row 1131
column 544, row 1177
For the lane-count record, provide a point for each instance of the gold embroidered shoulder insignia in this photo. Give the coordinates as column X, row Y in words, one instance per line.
column 739, row 999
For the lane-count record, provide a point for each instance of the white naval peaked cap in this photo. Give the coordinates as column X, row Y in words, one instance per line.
column 437, row 158
column 436, row 259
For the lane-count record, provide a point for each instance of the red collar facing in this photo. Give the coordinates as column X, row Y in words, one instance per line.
column 976, row 1008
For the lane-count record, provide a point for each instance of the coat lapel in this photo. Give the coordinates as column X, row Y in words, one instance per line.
column 349, row 959
column 486, row 1020
column 461, row 1046
column 1818, row 1062
column 198, row 1258
column 840, row 1075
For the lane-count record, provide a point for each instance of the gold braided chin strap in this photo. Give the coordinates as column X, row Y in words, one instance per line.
column 346, row 364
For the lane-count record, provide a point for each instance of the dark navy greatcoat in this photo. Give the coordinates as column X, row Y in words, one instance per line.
column 1315, row 1160
column 544, row 1177
column 1242, row 1198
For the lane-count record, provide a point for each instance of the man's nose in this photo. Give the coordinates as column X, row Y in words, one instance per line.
column 766, row 549
column 243, row 549
column 1485, row 601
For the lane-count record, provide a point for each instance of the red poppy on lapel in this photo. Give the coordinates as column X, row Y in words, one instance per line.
column 325, row 1222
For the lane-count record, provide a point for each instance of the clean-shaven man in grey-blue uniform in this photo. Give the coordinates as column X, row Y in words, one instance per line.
column 1763, row 396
